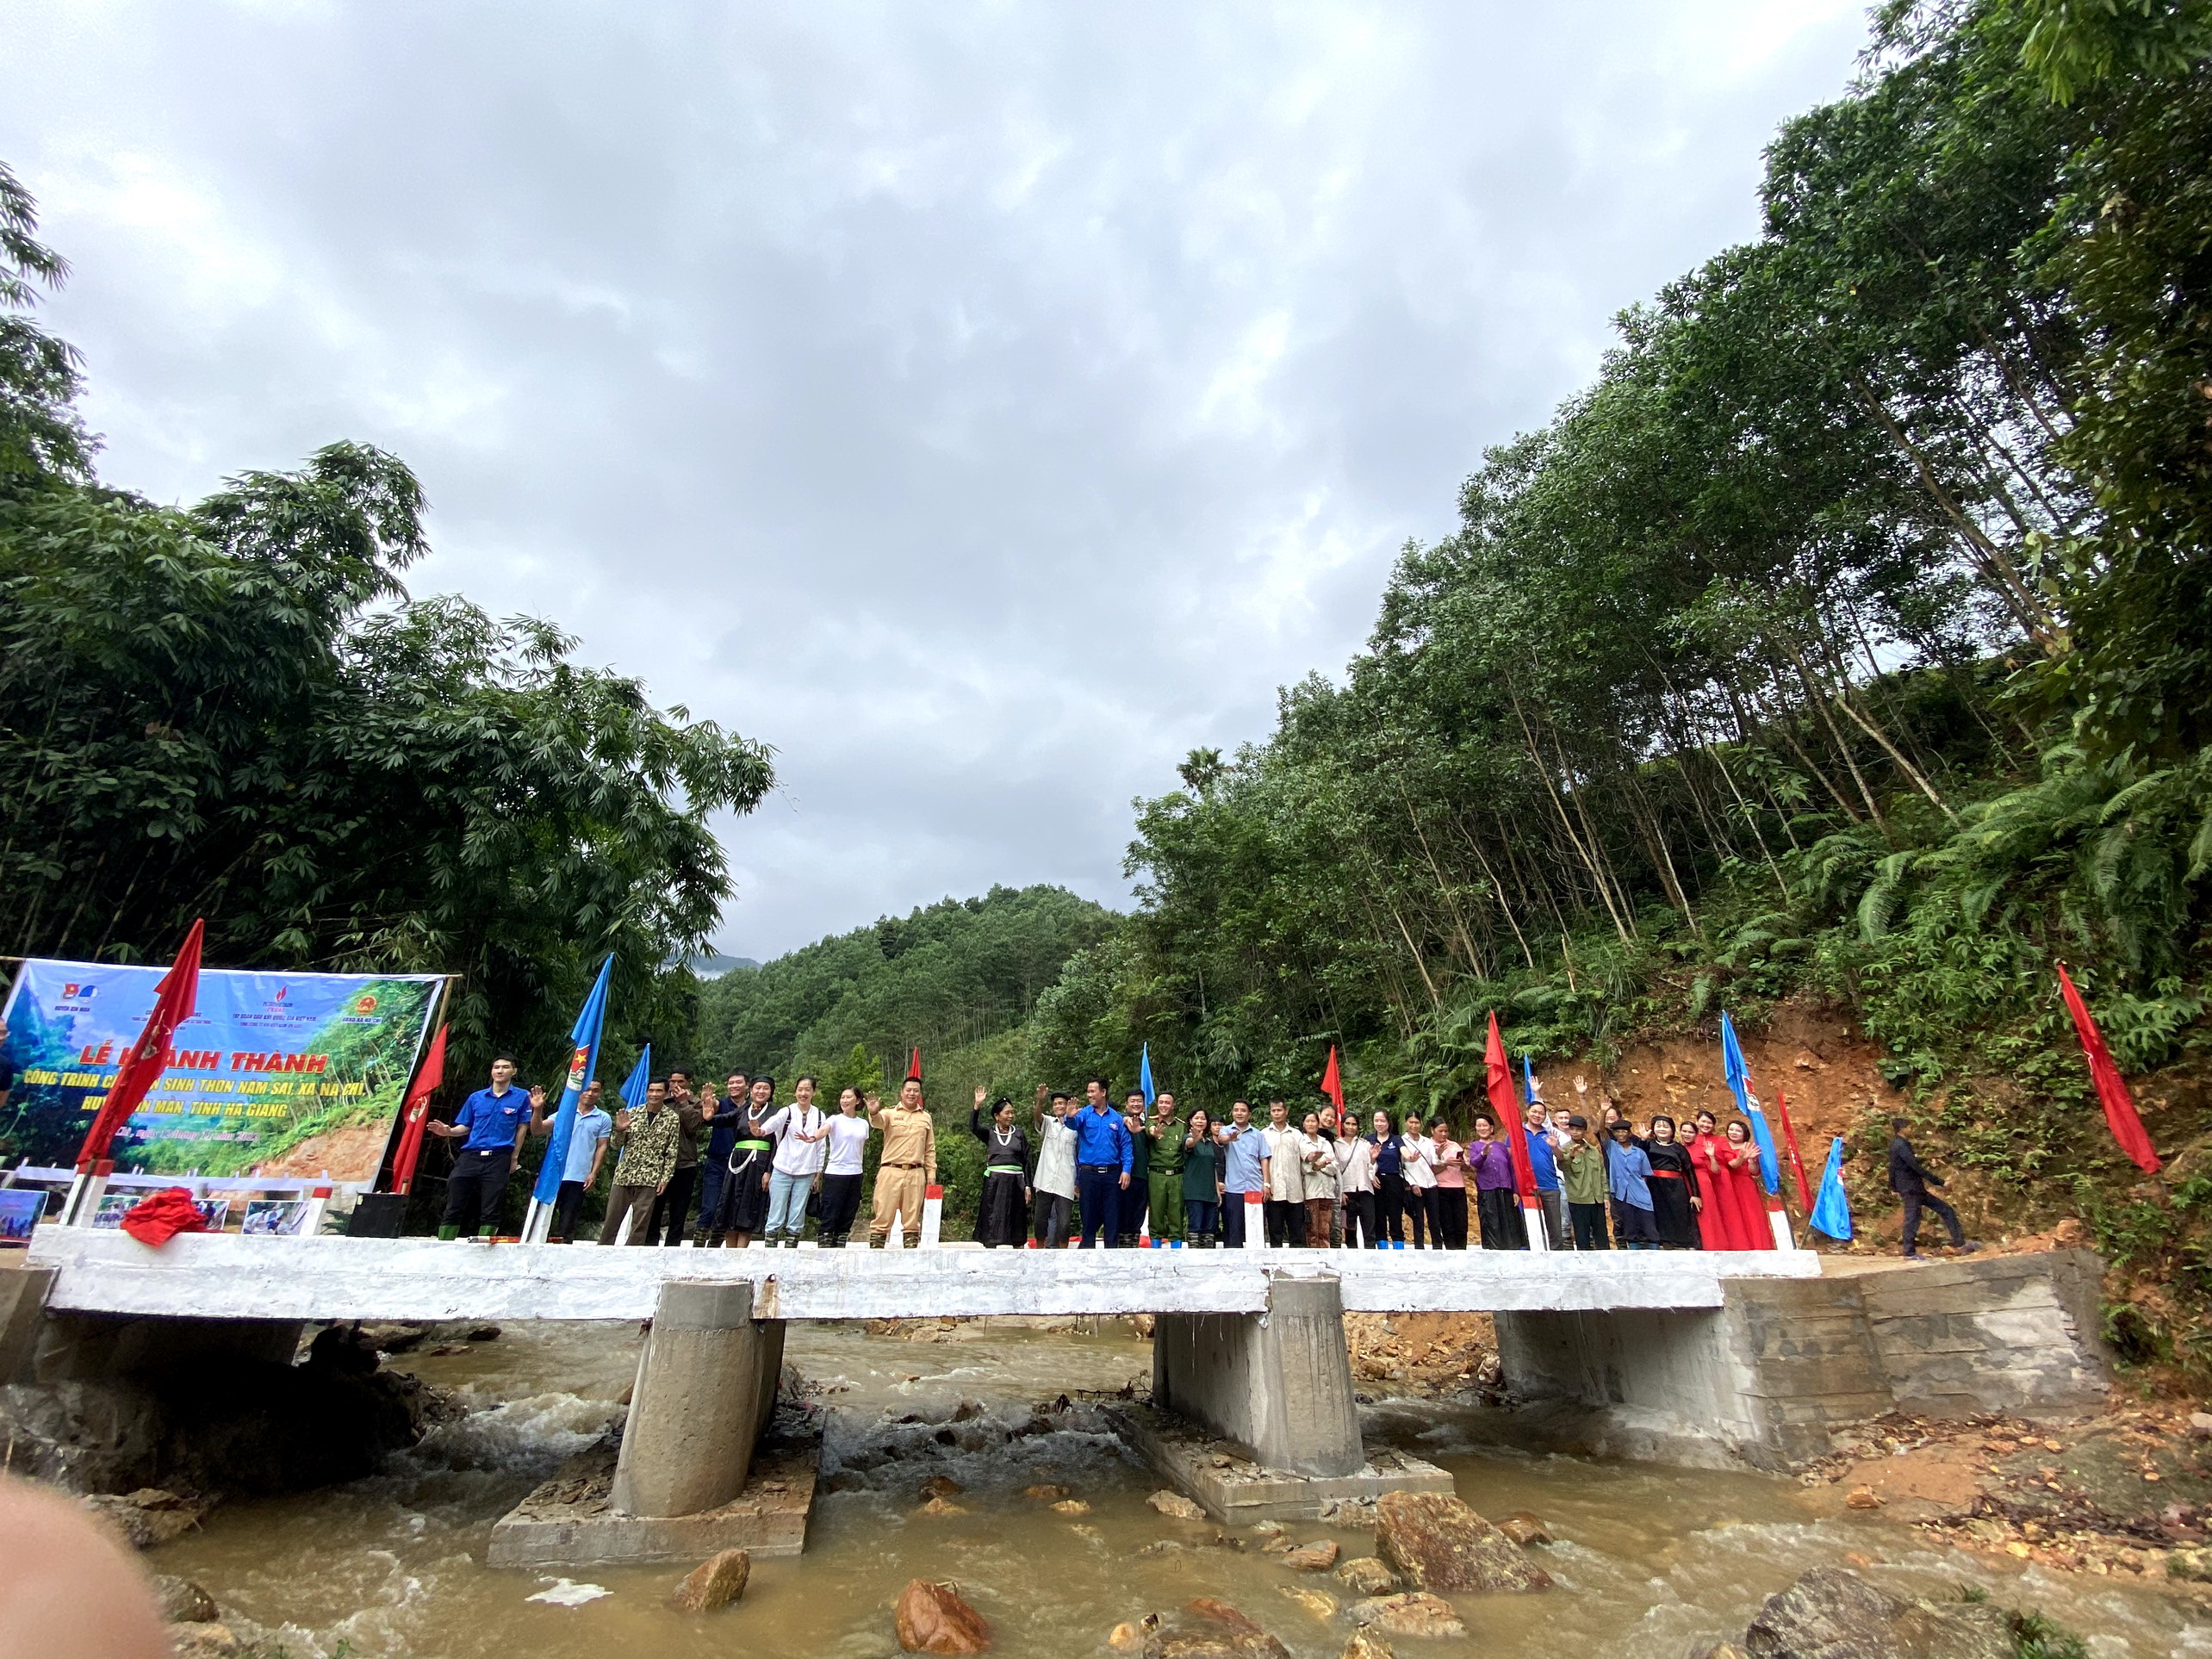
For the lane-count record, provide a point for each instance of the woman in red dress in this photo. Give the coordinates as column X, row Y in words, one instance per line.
column 1718, row 1222
column 1746, row 1188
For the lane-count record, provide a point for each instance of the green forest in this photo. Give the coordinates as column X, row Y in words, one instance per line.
column 1847, row 639
column 235, row 710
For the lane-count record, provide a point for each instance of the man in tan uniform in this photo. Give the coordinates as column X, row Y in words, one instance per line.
column 908, row 1164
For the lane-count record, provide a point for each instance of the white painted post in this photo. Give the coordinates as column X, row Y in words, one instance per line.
column 531, row 1216
column 1255, row 1221
column 933, row 1215
column 84, row 1196
column 317, row 1202
column 896, row 1240
column 1779, row 1219
column 1537, row 1223
column 621, row 1232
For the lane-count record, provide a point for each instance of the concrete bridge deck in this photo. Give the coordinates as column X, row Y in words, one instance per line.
column 229, row 1277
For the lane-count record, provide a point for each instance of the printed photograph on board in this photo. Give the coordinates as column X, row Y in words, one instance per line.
column 272, row 1218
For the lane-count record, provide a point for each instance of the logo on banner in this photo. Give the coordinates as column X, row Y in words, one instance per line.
column 577, row 1061
column 364, row 1004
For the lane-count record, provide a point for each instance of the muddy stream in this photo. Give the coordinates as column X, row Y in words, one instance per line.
column 1649, row 1559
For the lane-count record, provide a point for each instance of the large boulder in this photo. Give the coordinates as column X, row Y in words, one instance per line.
column 932, row 1617
column 1437, row 1542
column 1366, row 1644
column 1208, row 1629
column 1410, row 1612
column 1369, row 1574
column 715, row 1582
column 183, row 1602
column 148, row 1516
column 1829, row 1613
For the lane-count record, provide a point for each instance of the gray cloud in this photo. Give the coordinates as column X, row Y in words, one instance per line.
column 982, row 404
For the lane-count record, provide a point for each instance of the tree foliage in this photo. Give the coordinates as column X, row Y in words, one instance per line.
column 235, row 710
column 1849, row 633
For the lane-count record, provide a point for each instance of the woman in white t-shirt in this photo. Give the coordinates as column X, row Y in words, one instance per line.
column 1417, row 1164
column 840, row 1168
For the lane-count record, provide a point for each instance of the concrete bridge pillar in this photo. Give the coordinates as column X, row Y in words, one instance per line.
column 1278, row 1382
column 707, row 1387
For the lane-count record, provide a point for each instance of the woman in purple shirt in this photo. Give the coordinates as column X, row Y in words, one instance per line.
column 1497, row 1201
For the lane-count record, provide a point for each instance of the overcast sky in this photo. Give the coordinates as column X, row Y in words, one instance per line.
column 982, row 404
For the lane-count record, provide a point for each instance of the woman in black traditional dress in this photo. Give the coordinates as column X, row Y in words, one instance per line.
column 1001, row 1216
column 745, row 1192
column 1674, row 1187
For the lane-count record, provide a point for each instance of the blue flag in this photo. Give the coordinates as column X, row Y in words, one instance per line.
column 633, row 1087
column 1831, row 1211
column 1144, row 1075
column 1739, row 1084
column 583, row 1059
column 1528, row 1077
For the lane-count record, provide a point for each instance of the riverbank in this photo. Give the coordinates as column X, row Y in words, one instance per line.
column 1649, row 1560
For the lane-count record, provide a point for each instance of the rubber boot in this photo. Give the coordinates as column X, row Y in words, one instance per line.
column 449, row 1234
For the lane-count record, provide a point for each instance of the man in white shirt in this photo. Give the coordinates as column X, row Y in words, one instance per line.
column 801, row 1135
column 1052, row 1204
column 1286, row 1178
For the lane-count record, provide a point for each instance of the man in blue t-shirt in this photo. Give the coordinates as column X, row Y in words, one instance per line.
column 1543, row 1157
column 490, row 1126
column 586, row 1150
column 1104, row 1155
column 1243, row 1169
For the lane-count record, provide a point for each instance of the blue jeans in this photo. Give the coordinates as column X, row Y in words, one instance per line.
column 787, row 1203
column 1198, row 1217
column 1098, row 1189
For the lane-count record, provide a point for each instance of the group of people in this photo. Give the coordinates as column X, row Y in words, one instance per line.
column 1094, row 1171
column 1082, row 1172
column 756, row 1168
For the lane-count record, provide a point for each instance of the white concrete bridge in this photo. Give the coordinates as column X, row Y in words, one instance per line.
column 229, row 1276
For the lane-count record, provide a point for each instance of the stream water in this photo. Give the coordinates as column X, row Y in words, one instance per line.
column 1649, row 1558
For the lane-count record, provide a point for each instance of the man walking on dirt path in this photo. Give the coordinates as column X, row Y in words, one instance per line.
column 1910, row 1182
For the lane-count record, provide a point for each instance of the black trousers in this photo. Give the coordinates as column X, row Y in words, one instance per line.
column 1098, row 1189
column 840, row 1206
column 1589, row 1221
column 1286, row 1223
column 474, row 1189
column 672, row 1208
column 1634, row 1228
column 1234, row 1210
column 1130, row 1209
column 565, row 1208
column 1049, row 1216
column 1448, row 1217
column 1359, row 1218
column 1390, row 1207
column 1420, row 1211
column 1914, row 1203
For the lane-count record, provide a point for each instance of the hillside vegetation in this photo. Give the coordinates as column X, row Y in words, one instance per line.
column 1847, row 640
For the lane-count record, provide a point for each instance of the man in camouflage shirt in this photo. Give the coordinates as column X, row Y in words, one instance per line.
column 647, row 1146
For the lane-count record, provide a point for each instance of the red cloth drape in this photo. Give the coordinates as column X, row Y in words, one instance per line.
column 2111, row 1088
column 144, row 1061
column 157, row 1220
column 416, row 1112
column 1505, row 1102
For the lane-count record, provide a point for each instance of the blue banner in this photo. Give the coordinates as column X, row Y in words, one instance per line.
column 274, row 1074
column 583, row 1061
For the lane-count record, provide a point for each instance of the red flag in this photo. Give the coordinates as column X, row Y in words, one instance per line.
column 914, row 1068
column 1505, row 1104
column 2111, row 1088
column 1333, row 1082
column 144, row 1061
column 1796, row 1163
column 416, row 1112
